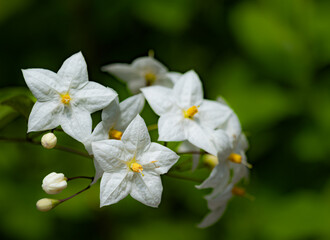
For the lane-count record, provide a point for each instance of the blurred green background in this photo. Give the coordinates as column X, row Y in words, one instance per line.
column 270, row 59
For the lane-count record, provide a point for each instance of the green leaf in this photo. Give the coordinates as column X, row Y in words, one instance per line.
column 22, row 104
column 7, row 115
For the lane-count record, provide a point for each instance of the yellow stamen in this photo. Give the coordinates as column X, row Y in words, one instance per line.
column 115, row 134
column 137, row 168
column 65, row 98
column 190, row 112
column 150, row 78
column 210, row 160
column 234, row 157
column 238, row 191
column 153, row 161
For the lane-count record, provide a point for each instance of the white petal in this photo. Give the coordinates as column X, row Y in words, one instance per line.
column 111, row 154
column 159, row 98
column 98, row 172
column 232, row 127
column 114, row 187
column 222, row 143
column 122, row 71
column 110, row 114
column 212, row 217
column 136, row 85
column 136, row 136
column 129, row 108
column 45, row 116
column 216, row 200
column 164, row 157
column 44, row 84
column 212, row 114
column 188, row 90
column 77, row 123
column 99, row 133
column 147, row 189
column 73, row 72
column 93, row 97
column 149, row 64
column 218, row 178
column 174, row 76
column 200, row 137
column 171, row 127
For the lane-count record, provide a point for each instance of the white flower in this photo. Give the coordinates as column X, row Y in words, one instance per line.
column 54, row 183
column 66, row 98
column 49, row 140
column 115, row 119
column 144, row 71
column 132, row 166
column 184, row 114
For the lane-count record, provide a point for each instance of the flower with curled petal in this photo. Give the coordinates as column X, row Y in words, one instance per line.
column 144, row 71
column 133, row 166
column 66, row 98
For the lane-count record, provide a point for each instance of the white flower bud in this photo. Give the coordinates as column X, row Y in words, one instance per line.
column 54, row 183
column 49, row 140
column 46, row 204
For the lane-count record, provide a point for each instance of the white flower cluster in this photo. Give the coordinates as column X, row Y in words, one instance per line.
column 124, row 157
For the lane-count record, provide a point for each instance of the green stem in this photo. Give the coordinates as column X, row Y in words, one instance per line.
column 58, row 147
column 178, row 176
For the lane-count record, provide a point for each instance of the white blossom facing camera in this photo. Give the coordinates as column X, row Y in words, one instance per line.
column 115, row 119
column 133, row 166
column 66, row 98
column 54, row 183
column 144, row 71
column 49, row 140
column 46, row 204
column 184, row 114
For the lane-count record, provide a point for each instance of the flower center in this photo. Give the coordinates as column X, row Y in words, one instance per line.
column 134, row 166
column 238, row 191
column 115, row 134
column 235, row 158
column 65, row 98
column 150, row 78
column 190, row 112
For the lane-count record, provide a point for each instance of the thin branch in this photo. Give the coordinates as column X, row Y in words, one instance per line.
column 58, row 147
column 85, row 177
column 65, row 199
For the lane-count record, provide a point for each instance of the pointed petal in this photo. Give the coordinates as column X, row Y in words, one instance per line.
column 164, row 157
column 188, row 90
column 77, row 123
column 129, row 108
column 45, row 116
column 159, row 99
column 110, row 114
column 174, row 76
column 111, row 154
column 171, row 127
column 200, row 137
column 114, row 187
column 218, row 178
column 136, row 136
column 147, row 189
column 73, row 72
column 122, row 71
column 98, row 172
column 232, row 127
column 44, row 84
column 149, row 64
column 212, row 114
column 212, row 217
column 99, row 133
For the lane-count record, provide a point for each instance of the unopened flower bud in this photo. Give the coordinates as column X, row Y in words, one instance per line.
column 49, row 140
column 46, row 204
column 54, row 183
column 210, row 160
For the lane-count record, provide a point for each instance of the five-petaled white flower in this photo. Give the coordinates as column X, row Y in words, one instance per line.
column 115, row 119
column 132, row 166
column 184, row 114
column 144, row 71
column 66, row 98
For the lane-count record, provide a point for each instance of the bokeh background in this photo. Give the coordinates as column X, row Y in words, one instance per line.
column 270, row 59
